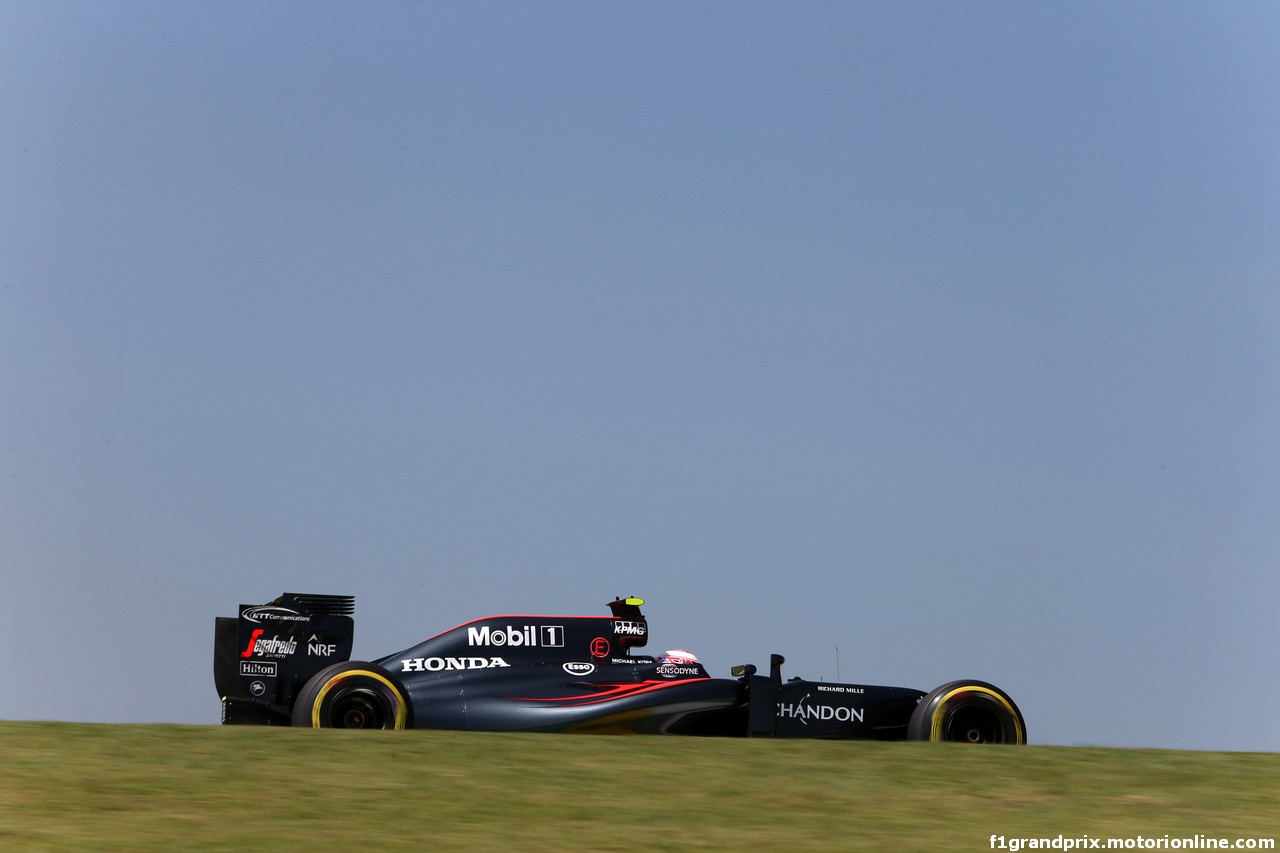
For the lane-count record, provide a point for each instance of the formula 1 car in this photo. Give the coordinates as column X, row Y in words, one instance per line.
column 287, row 662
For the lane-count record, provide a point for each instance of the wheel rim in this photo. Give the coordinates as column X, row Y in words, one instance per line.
column 355, row 698
column 359, row 708
column 975, row 723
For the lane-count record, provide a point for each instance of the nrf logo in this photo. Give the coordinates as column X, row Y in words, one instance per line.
column 548, row 636
column 319, row 648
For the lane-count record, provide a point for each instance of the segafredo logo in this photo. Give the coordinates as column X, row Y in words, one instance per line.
column 269, row 613
column 550, row 636
column 275, row 647
column 442, row 664
column 804, row 713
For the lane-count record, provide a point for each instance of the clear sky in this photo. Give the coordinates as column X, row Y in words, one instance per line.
column 913, row 341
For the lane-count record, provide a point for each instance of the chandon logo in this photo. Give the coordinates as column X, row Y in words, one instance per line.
column 804, row 713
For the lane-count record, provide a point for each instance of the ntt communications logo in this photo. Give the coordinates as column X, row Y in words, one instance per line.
column 271, row 613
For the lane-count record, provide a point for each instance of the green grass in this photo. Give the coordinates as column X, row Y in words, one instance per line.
column 111, row 787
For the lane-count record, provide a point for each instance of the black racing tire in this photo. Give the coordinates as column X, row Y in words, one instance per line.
column 968, row 712
column 353, row 695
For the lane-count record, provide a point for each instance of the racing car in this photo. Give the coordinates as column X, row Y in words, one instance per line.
column 287, row 662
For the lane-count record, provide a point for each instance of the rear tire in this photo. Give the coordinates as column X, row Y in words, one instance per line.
column 352, row 695
column 968, row 712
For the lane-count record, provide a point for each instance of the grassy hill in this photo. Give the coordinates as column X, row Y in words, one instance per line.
column 111, row 787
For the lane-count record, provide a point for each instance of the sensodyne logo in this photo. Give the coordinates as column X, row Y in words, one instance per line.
column 669, row 671
column 549, row 636
column 579, row 668
column 440, row 664
column 270, row 613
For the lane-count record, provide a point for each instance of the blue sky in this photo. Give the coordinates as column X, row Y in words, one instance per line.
column 944, row 335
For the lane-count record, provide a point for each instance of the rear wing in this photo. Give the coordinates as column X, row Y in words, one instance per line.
column 263, row 656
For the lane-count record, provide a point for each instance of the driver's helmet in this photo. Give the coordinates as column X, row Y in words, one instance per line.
column 678, row 657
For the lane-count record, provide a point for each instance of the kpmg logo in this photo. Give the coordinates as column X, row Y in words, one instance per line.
column 623, row 628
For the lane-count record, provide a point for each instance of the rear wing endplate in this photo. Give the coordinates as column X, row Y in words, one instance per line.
column 263, row 656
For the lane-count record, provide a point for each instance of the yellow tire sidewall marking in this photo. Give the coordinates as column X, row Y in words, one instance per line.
column 935, row 730
column 339, row 678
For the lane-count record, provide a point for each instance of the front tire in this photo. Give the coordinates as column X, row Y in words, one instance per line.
column 968, row 712
column 352, row 695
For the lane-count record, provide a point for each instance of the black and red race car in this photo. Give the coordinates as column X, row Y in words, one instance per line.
column 287, row 662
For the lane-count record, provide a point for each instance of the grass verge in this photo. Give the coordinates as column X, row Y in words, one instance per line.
column 113, row 787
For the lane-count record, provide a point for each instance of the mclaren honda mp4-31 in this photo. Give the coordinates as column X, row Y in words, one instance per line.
column 288, row 662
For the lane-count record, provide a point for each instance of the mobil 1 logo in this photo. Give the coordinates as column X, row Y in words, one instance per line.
column 532, row 636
